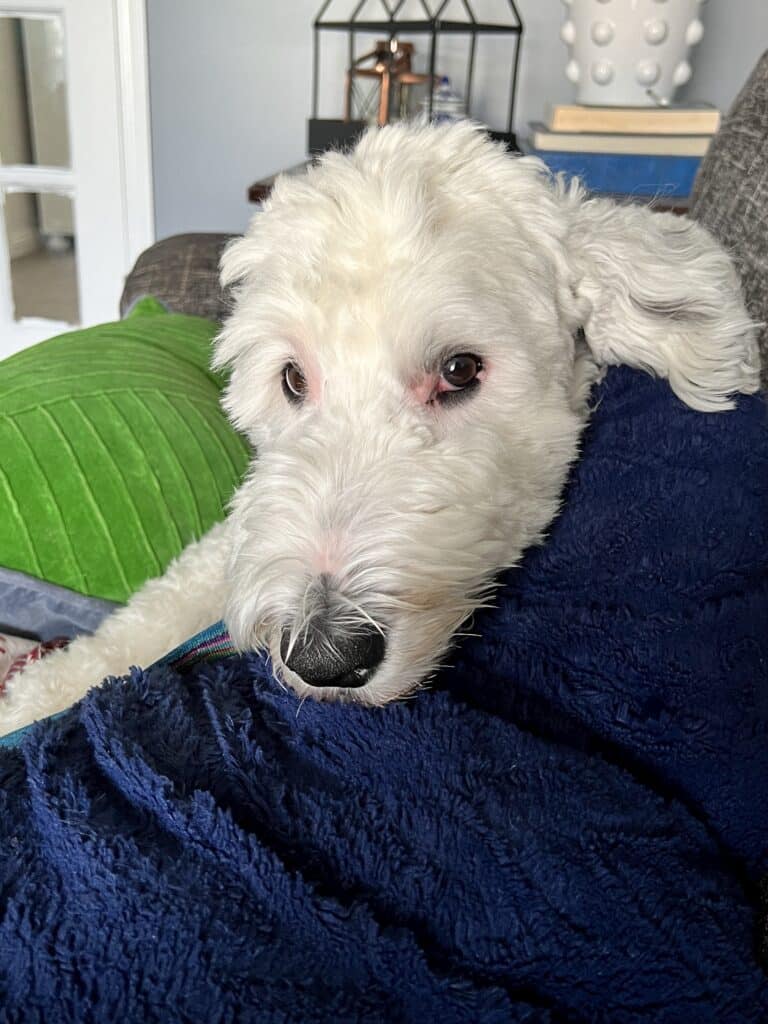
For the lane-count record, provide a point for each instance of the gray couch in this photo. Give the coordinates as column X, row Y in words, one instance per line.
column 730, row 196
column 730, row 199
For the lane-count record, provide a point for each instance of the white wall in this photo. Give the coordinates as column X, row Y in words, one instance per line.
column 229, row 92
column 736, row 33
column 230, row 86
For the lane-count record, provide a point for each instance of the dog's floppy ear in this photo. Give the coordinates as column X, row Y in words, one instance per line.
column 656, row 291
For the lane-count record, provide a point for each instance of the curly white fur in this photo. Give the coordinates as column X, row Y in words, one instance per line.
column 368, row 273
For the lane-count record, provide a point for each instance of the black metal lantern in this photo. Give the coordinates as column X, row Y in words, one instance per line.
column 389, row 60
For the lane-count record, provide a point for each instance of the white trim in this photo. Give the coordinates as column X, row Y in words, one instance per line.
column 29, row 178
column 135, row 135
column 111, row 179
column 30, row 331
column 34, row 15
column 6, row 293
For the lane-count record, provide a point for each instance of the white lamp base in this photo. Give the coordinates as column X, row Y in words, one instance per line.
column 630, row 53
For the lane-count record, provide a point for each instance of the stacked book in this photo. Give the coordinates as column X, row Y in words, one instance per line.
column 636, row 151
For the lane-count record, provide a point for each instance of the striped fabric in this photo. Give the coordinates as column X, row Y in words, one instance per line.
column 209, row 644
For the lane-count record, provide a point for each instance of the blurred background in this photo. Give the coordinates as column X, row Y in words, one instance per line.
column 124, row 122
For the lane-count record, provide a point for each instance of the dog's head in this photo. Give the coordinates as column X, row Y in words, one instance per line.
column 406, row 359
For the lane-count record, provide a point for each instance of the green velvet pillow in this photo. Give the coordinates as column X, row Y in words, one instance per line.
column 114, row 453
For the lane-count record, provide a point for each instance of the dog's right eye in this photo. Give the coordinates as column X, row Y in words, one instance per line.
column 459, row 377
column 294, row 384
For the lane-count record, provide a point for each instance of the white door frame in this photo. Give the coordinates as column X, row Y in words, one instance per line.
column 136, row 134
column 126, row 219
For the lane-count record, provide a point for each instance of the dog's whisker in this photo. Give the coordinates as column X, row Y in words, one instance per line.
column 362, row 612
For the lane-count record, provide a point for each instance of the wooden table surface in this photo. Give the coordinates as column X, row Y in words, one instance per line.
column 259, row 190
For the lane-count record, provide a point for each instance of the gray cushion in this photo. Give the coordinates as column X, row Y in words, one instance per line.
column 730, row 196
column 183, row 273
column 44, row 611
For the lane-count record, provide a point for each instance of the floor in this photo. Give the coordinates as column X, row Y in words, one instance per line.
column 45, row 285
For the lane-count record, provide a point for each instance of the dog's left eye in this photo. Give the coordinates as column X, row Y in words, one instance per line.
column 458, row 374
column 294, row 384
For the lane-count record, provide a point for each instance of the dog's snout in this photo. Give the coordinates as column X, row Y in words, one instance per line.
column 344, row 660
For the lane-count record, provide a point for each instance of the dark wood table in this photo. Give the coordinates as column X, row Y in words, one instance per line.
column 260, row 190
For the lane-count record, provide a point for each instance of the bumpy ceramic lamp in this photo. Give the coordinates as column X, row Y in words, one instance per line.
column 630, row 53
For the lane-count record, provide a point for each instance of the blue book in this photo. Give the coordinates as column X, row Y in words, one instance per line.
column 626, row 173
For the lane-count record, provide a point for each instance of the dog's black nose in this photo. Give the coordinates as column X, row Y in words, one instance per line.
column 336, row 660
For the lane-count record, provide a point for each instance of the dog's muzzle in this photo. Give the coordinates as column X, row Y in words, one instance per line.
column 320, row 659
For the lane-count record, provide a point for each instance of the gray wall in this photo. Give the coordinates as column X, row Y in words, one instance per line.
column 230, row 86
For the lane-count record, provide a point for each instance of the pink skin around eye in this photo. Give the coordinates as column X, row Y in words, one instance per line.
column 427, row 386
column 311, row 373
column 314, row 388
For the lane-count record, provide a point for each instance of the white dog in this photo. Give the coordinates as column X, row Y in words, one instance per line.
column 416, row 329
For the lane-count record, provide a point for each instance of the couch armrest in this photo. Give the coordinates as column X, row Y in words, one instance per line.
column 183, row 273
column 730, row 197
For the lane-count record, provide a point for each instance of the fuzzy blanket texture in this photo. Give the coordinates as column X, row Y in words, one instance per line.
column 570, row 825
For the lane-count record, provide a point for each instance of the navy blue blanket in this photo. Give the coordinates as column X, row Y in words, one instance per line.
column 569, row 826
